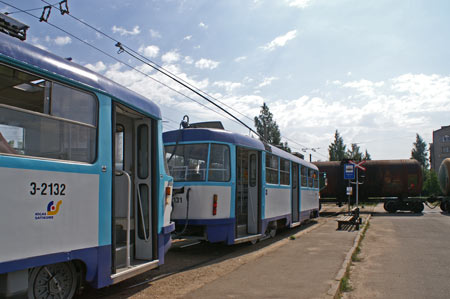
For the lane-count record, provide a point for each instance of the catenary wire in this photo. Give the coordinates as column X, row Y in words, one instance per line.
column 159, row 68
column 122, row 62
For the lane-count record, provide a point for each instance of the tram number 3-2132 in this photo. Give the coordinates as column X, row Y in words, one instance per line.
column 48, row 189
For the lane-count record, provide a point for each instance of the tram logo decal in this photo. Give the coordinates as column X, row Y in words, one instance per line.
column 52, row 210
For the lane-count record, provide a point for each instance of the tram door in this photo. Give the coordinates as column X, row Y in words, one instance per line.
column 132, row 181
column 247, row 197
column 295, row 190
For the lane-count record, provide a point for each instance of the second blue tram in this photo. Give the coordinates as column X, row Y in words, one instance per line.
column 232, row 188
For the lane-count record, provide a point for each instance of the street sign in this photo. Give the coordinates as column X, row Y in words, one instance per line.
column 349, row 171
column 349, row 190
column 359, row 165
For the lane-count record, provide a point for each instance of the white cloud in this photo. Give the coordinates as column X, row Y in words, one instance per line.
column 280, row 41
column 366, row 87
column 227, row 85
column 383, row 115
column 154, row 33
column 299, row 3
column 188, row 37
column 188, row 60
column 98, row 67
column 267, row 81
column 203, row 25
column 122, row 31
column 149, row 51
column 36, row 42
column 204, row 63
column 240, row 58
column 62, row 40
column 171, row 56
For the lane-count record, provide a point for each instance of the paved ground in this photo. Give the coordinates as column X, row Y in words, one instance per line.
column 404, row 255
column 302, row 268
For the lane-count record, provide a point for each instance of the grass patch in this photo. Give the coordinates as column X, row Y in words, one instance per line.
column 292, row 237
column 345, row 283
column 355, row 257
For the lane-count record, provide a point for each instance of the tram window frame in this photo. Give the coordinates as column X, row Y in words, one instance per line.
column 272, row 173
column 285, row 174
column 310, row 178
column 226, row 168
column 304, row 176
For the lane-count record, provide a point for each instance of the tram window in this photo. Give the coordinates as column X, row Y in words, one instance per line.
column 285, row 169
column 119, row 147
column 142, row 147
column 187, row 162
column 219, row 163
column 316, row 179
column 253, row 170
column 304, row 175
column 73, row 104
column 310, row 178
column 271, row 169
column 39, row 130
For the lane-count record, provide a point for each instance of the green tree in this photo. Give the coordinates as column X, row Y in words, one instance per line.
column 366, row 156
column 431, row 183
column 336, row 150
column 354, row 153
column 268, row 129
column 419, row 151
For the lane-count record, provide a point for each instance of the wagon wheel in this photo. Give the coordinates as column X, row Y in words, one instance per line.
column 53, row 281
column 390, row 207
column 418, row 207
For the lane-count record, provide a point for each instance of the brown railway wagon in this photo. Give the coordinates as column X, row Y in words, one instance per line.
column 382, row 178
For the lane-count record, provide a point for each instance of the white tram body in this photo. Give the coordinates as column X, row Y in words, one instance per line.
column 84, row 194
column 232, row 188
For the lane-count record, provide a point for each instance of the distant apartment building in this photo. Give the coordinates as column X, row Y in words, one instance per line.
column 440, row 148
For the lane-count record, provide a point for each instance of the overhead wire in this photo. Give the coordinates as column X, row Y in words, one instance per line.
column 27, row 10
column 120, row 61
column 166, row 72
column 157, row 67
column 171, row 75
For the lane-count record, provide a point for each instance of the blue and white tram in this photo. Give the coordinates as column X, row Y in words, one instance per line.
column 84, row 193
column 232, row 188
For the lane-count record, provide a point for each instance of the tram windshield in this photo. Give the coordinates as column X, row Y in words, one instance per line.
column 187, row 162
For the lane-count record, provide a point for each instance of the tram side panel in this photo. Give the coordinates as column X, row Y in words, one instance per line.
column 196, row 205
column 277, row 203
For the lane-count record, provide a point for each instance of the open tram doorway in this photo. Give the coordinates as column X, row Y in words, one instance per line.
column 295, row 195
column 134, row 205
column 248, row 197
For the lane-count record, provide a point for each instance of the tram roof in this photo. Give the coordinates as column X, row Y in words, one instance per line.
column 198, row 135
column 29, row 55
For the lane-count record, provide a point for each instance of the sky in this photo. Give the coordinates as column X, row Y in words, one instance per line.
column 376, row 71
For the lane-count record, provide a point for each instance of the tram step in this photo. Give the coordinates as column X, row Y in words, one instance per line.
column 121, row 255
